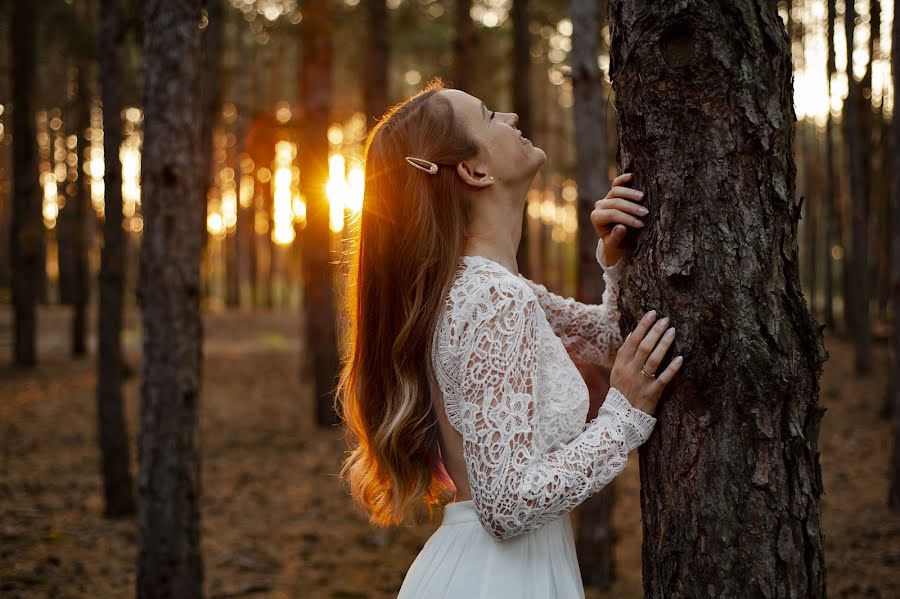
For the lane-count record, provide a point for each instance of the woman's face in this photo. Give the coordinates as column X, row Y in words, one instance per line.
column 505, row 154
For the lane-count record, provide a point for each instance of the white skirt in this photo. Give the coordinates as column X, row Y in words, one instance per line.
column 462, row 561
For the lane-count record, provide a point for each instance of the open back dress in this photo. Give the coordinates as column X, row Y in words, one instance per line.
column 503, row 356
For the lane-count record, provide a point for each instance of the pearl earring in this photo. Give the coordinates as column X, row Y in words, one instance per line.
column 491, row 178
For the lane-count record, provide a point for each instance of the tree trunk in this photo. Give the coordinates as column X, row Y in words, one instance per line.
column 210, row 99
column 315, row 93
column 111, row 428
column 894, row 493
column 169, row 559
column 375, row 92
column 595, row 534
column 463, row 46
column 831, row 214
column 810, row 218
column 730, row 479
column 72, row 234
column 522, row 103
column 26, row 231
column 858, row 289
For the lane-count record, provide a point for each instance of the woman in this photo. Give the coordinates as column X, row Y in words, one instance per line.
column 459, row 386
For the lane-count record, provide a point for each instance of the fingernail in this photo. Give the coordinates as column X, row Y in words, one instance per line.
column 651, row 313
column 638, row 223
column 665, row 320
column 642, row 211
column 641, row 193
column 678, row 360
column 670, row 332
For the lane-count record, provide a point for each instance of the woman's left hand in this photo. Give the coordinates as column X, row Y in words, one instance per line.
column 614, row 213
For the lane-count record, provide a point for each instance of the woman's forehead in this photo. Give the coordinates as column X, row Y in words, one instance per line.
column 468, row 104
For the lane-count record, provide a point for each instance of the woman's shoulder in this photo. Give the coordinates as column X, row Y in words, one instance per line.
column 483, row 287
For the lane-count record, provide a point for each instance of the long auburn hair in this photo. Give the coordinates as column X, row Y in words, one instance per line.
column 402, row 261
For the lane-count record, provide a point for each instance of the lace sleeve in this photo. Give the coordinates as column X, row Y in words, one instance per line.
column 589, row 332
column 518, row 483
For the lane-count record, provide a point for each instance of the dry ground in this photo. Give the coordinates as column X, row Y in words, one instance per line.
column 277, row 524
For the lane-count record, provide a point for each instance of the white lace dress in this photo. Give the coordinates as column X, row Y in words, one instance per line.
column 503, row 357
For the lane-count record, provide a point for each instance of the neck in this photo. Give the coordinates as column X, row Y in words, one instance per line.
column 496, row 227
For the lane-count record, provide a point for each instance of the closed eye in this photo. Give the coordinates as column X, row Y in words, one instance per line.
column 492, row 114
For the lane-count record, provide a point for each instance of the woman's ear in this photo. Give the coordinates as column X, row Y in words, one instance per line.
column 471, row 174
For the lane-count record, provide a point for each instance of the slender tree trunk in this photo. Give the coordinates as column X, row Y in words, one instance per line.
column 522, row 103
column 883, row 219
column 809, row 148
column 831, row 213
column 111, row 428
column 894, row 493
column 315, row 92
column 375, row 92
column 169, row 560
column 232, row 242
column 5, row 195
column 211, row 99
column 859, row 210
column 595, row 534
column 463, row 47
column 730, row 479
column 72, row 235
column 26, row 232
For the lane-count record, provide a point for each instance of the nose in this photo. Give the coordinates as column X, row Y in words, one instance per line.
column 515, row 118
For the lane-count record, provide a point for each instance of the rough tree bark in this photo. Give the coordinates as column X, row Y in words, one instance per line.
column 730, row 478
column 594, row 536
column 26, row 231
column 320, row 317
column 168, row 522
column 111, row 428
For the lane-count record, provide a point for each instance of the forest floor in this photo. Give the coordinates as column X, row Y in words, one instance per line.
column 275, row 520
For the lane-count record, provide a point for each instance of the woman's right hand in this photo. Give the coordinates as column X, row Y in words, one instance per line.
column 644, row 348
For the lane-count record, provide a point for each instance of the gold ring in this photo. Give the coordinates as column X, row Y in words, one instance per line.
column 647, row 374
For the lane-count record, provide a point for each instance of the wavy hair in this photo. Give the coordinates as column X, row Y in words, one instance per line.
column 404, row 253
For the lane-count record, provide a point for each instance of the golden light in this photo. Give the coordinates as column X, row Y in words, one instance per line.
column 282, row 195
column 50, row 208
column 534, row 204
column 215, row 224
column 261, row 222
column 548, row 207
column 246, row 191
column 283, row 112
column 356, row 179
column 338, row 191
column 229, row 205
column 299, row 209
column 130, row 156
column 335, row 135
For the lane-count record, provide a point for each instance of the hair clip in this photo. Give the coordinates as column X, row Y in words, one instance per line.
column 423, row 165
